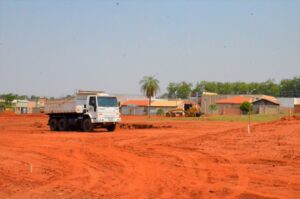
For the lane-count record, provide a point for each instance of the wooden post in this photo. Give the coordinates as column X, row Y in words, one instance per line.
column 249, row 121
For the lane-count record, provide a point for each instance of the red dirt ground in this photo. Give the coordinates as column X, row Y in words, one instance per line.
column 192, row 159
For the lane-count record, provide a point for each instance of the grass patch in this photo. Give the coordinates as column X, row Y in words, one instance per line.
column 244, row 118
column 226, row 118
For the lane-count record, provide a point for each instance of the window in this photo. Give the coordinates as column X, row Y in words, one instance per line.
column 92, row 101
column 107, row 102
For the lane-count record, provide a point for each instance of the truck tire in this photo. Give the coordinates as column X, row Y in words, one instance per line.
column 53, row 123
column 63, row 124
column 87, row 125
column 111, row 127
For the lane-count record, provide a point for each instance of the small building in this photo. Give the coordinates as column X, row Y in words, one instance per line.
column 266, row 105
column 25, row 106
column 134, row 107
column 231, row 106
column 140, row 107
column 165, row 105
column 20, row 106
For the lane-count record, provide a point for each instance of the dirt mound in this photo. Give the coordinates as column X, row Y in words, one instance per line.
column 294, row 117
column 253, row 196
column 142, row 126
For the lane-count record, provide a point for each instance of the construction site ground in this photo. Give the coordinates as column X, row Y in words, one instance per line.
column 150, row 159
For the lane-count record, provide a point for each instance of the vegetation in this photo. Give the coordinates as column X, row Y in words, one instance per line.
column 244, row 118
column 150, row 87
column 227, row 118
column 290, row 87
column 285, row 88
column 8, row 98
column 180, row 90
column 160, row 112
column 246, row 107
column 213, row 108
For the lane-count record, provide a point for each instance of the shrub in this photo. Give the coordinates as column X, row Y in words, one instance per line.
column 213, row 108
column 246, row 107
column 160, row 112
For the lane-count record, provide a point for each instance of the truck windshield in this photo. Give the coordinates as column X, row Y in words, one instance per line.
column 107, row 101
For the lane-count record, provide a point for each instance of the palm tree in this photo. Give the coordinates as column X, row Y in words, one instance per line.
column 149, row 86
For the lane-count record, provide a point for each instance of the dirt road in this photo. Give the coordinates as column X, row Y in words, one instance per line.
column 187, row 159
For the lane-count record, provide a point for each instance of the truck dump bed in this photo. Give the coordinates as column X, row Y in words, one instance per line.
column 70, row 105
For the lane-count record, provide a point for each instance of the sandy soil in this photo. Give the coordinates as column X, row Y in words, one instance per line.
column 181, row 159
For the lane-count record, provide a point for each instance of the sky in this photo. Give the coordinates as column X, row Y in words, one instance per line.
column 52, row 48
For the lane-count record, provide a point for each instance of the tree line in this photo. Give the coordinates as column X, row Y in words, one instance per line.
column 285, row 88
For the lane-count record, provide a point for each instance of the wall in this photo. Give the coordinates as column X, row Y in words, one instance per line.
column 126, row 110
column 287, row 102
column 265, row 107
column 268, row 109
column 207, row 100
column 229, row 109
column 297, row 108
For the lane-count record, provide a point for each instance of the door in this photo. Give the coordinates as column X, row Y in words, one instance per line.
column 92, row 107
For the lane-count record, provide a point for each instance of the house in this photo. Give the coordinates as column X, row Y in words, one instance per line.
column 26, row 106
column 20, row 106
column 165, row 105
column 140, row 107
column 134, row 107
column 231, row 106
column 266, row 105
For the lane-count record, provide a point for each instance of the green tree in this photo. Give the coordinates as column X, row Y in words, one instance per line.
column 160, row 112
column 225, row 88
column 246, row 107
column 34, row 98
column 290, row 87
column 150, row 87
column 240, row 88
column 172, row 90
column 206, row 86
column 184, row 90
column 8, row 98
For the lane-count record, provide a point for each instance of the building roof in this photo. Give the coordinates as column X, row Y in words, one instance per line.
column 269, row 99
column 209, row 93
column 166, row 103
column 154, row 103
column 234, row 100
column 297, row 101
column 135, row 103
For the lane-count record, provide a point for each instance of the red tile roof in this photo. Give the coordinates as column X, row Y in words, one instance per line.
column 234, row 100
column 135, row 103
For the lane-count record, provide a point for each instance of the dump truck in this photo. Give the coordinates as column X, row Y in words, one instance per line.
column 84, row 111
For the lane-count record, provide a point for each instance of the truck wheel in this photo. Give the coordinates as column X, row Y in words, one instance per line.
column 111, row 127
column 63, row 124
column 53, row 124
column 87, row 125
